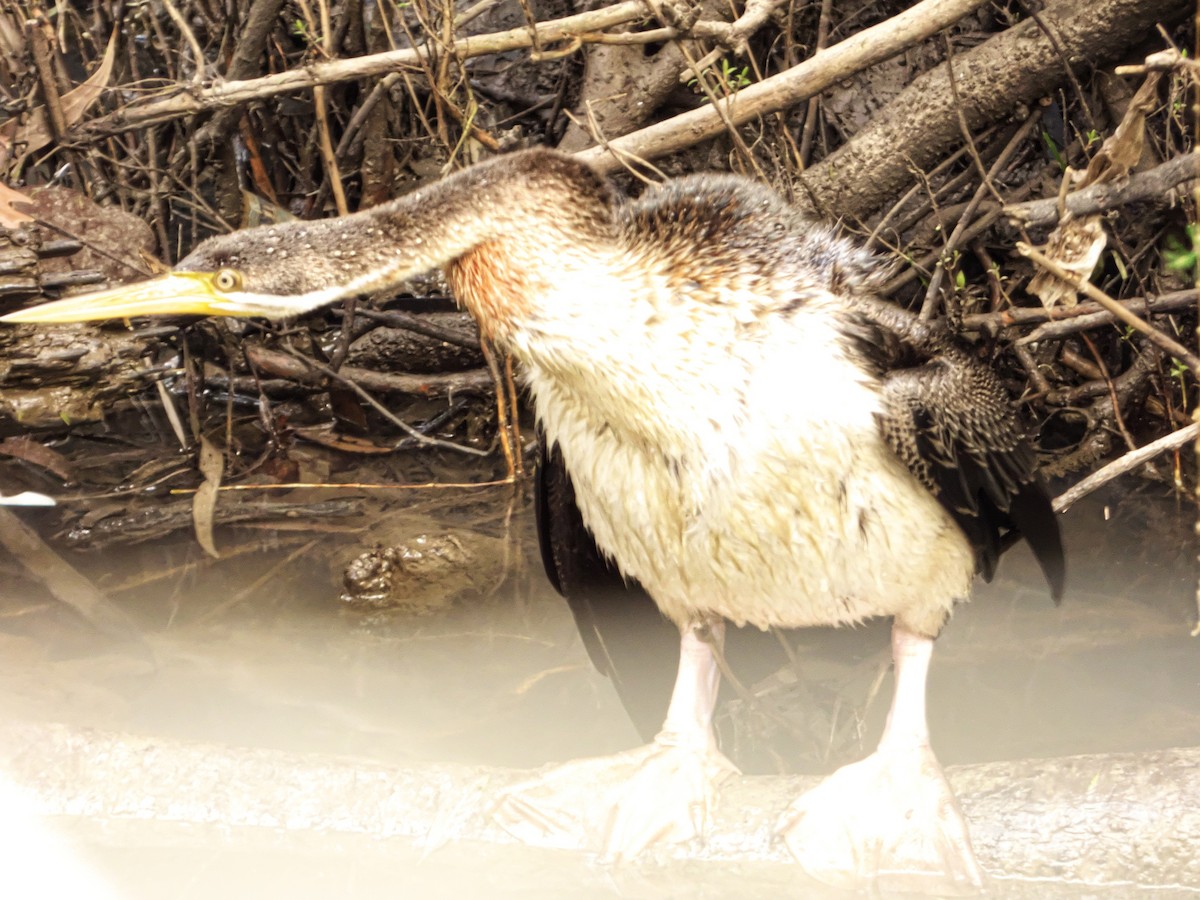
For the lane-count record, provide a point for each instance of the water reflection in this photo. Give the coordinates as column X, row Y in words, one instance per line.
column 260, row 651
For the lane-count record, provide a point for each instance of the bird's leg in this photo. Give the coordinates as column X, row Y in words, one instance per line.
column 690, row 712
column 890, row 820
column 659, row 793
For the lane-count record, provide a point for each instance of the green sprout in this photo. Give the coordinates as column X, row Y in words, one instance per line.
column 1054, row 151
column 1181, row 256
column 736, row 78
column 1178, row 370
column 732, row 79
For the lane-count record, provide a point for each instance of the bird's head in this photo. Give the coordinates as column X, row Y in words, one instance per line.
column 275, row 271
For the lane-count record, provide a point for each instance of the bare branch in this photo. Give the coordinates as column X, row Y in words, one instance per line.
column 870, row 46
column 1166, row 342
column 1126, row 463
column 1149, row 185
column 232, row 93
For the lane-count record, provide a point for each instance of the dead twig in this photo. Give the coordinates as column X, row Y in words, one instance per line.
column 346, row 377
column 1152, row 185
column 1088, row 315
column 189, row 36
column 1124, row 464
column 930, row 305
column 864, row 49
column 1164, row 341
column 282, row 365
column 508, row 442
column 179, row 104
column 62, row 580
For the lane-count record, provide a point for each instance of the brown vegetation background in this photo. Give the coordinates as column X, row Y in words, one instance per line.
column 980, row 147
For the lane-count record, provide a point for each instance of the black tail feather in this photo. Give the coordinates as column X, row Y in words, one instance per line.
column 1034, row 519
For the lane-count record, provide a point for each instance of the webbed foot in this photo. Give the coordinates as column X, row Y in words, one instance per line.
column 889, row 822
column 618, row 805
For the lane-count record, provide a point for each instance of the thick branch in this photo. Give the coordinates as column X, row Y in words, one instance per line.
column 1010, row 70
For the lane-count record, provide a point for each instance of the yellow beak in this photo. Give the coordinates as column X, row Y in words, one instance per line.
column 177, row 293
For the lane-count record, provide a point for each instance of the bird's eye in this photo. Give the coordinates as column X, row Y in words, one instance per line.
column 228, row 280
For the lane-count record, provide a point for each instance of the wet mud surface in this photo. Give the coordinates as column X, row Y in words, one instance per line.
column 478, row 663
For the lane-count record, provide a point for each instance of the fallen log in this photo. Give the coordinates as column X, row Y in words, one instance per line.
column 1115, row 821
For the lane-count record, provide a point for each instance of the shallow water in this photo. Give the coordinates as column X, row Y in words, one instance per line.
column 256, row 650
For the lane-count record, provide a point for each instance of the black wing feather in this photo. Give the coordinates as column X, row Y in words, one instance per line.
column 949, row 419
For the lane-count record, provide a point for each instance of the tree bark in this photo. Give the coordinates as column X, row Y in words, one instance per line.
column 1012, row 69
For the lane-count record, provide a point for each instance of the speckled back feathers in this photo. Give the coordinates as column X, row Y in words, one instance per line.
column 727, row 231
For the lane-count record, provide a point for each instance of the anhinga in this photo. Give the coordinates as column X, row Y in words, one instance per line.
column 734, row 421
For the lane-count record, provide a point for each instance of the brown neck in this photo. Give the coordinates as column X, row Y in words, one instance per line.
column 498, row 221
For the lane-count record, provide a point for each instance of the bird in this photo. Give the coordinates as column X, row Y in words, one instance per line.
column 738, row 429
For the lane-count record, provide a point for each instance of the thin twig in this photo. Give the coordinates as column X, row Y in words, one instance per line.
column 812, row 113
column 1124, row 464
column 506, row 438
column 333, row 486
column 321, row 110
column 383, row 410
column 186, row 30
column 929, row 307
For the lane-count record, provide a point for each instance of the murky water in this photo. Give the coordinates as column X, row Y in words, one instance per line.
column 257, row 651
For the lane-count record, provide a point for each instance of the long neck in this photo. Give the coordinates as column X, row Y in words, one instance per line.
column 523, row 213
column 529, row 210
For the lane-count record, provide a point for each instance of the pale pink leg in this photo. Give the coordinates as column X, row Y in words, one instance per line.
column 890, row 820
column 690, row 713
column 622, row 804
column 907, row 725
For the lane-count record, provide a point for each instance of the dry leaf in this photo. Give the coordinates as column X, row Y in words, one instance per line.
column 204, row 504
column 1075, row 245
column 1122, row 150
column 10, row 214
column 34, row 132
